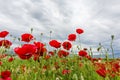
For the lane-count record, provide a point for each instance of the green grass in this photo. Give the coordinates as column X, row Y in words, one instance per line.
column 33, row 70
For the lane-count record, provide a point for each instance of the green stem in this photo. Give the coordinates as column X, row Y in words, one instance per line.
column 79, row 42
column 112, row 49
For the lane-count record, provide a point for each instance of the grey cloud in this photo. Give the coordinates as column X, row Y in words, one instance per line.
column 99, row 18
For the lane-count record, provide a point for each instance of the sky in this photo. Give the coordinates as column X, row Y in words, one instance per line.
column 98, row 18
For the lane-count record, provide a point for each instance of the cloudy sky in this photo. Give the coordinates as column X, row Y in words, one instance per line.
column 99, row 18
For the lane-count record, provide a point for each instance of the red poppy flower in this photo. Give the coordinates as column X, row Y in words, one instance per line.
column 45, row 67
column 116, row 67
column 65, row 54
column 36, row 57
column 0, row 63
column 65, row 71
column 3, row 34
column 55, row 44
column 102, row 72
column 47, row 57
column 5, row 43
column 40, row 49
column 62, row 53
column 72, row 37
column 10, row 59
column 43, row 51
column 26, row 51
column 39, row 45
column 26, row 37
column 56, row 65
column 79, row 31
column 51, row 53
column 82, row 53
column 88, row 57
column 8, row 78
column 67, row 45
column 5, row 74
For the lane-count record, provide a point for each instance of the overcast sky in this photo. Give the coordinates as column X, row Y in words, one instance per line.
column 99, row 18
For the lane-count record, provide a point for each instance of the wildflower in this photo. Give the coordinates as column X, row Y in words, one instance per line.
column 51, row 53
column 102, row 72
column 41, row 52
column 116, row 67
column 62, row 53
column 3, row 34
column 39, row 45
column 26, row 51
column 67, row 45
column 10, row 59
column 47, row 57
column 5, row 43
column 55, row 44
column 79, row 31
column 36, row 57
column 40, row 49
column 0, row 63
column 65, row 71
column 26, row 37
column 56, row 65
column 88, row 57
column 5, row 75
column 82, row 53
column 72, row 37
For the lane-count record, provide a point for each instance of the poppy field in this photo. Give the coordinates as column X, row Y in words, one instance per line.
column 56, row 60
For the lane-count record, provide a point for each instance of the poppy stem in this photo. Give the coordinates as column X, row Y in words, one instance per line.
column 91, row 52
column 50, row 34
column 79, row 42
column 111, row 45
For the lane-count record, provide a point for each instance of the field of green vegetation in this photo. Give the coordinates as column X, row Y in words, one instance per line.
column 33, row 61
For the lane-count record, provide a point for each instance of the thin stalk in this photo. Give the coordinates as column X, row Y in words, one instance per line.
column 111, row 45
column 79, row 42
column 50, row 34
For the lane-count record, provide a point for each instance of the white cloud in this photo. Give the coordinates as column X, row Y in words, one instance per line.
column 99, row 18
